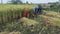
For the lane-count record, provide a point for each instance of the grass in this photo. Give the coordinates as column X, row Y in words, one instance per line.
column 10, row 23
column 11, row 33
column 15, row 10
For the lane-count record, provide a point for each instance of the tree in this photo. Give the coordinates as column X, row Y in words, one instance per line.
column 31, row 3
column 27, row 2
column 16, row 2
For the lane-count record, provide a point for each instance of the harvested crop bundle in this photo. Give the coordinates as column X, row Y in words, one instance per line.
column 27, row 21
column 15, row 33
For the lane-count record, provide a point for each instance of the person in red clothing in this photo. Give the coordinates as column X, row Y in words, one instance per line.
column 26, row 12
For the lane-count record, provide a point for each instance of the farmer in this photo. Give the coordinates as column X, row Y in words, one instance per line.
column 26, row 12
column 40, row 9
column 35, row 9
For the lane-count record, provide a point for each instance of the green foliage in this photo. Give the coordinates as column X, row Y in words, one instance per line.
column 27, row 2
column 53, row 7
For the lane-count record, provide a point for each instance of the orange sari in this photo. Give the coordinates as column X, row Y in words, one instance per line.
column 26, row 12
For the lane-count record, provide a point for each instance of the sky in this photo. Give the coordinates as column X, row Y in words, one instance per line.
column 33, row 1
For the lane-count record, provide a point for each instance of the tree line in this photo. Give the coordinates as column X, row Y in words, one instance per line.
column 15, row 2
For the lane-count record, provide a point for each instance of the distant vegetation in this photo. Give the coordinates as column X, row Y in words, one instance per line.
column 16, row 2
column 54, row 7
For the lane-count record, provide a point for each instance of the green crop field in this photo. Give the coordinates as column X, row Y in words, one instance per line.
column 14, row 7
column 46, row 23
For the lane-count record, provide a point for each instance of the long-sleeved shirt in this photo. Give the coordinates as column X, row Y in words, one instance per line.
column 35, row 8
